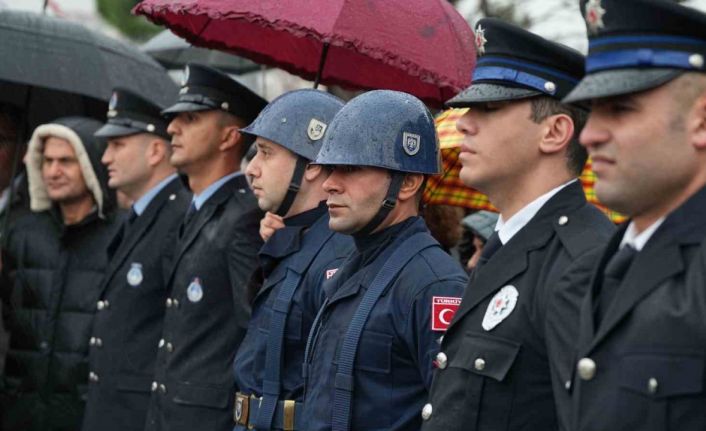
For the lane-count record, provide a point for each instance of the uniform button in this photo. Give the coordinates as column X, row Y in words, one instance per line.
column 426, row 411
column 567, row 385
column 44, row 346
column 169, row 302
column 162, row 389
column 93, row 377
column 586, row 368
column 652, row 385
column 563, row 220
column 441, row 360
column 161, row 343
column 172, row 197
column 176, row 303
column 170, row 347
column 92, row 341
column 550, row 86
column 479, row 364
column 154, row 386
column 100, row 305
column 99, row 342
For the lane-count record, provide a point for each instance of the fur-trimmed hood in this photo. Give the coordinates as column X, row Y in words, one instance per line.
column 78, row 131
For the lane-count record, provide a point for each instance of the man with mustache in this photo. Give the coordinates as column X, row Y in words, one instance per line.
column 521, row 148
column 640, row 350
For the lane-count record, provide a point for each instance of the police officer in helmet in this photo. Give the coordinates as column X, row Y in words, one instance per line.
column 295, row 259
column 370, row 352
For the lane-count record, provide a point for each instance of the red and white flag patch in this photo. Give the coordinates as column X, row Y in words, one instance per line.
column 443, row 309
column 331, row 272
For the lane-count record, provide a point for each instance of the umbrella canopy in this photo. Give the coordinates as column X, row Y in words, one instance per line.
column 173, row 52
column 422, row 47
column 47, row 52
column 447, row 188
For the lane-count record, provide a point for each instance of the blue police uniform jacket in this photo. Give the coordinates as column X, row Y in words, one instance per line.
column 283, row 252
column 394, row 361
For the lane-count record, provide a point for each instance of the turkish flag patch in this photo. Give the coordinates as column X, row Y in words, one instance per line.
column 443, row 309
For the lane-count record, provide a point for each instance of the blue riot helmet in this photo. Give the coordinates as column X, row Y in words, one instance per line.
column 297, row 121
column 384, row 129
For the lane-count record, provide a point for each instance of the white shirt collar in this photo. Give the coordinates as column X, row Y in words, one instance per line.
column 507, row 229
column 638, row 240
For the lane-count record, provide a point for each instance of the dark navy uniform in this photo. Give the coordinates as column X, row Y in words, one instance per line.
column 130, row 308
column 640, row 356
column 279, row 256
column 370, row 353
column 495, row 365
column 207, row 311
column 295, row 261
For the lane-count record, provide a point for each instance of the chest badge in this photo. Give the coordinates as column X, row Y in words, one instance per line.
column 501, row 306
column 194, row 292
column 330, row 273
column 134, row 275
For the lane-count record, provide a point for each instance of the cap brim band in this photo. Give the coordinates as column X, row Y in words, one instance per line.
column 485, row 92
column 617, row 82
column 115, row 131
column 185, row 107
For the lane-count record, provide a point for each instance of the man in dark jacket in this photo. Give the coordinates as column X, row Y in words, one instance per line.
column 295, row 259
column 56, row 259
column 369, row 356
column 521, row 148
column 128, row 323
column 207, row 310
column 640, row 352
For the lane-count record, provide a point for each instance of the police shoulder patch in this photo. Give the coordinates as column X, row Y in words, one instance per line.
column 443, row 309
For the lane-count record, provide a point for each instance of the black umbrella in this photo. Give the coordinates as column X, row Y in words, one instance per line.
column 51, row 68
column 174, row 52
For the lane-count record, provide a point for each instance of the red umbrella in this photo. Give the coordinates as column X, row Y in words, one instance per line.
column 422, row 47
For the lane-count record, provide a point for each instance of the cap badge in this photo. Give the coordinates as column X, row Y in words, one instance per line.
column 134, row 276
column 480, row 40
column 594, row 15
column 113, row 101
column 316, row 129
column 411, row 143
column 185, row 77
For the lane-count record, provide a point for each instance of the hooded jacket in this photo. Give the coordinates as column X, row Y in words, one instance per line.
column 54, row 272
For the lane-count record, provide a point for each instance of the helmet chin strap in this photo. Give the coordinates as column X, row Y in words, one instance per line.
column 294, row 185
column 387, row 204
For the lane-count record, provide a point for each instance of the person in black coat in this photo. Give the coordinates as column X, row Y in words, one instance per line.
column 207, row 310
column 131, row 304
column 521, row 148
column 55, row 260
column 640, row 355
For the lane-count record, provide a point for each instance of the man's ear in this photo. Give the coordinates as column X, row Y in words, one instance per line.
column 156, row 151
column 312, row 172
column 558, row 131
column 230, row 136
column 410, row 186
column 697, row 123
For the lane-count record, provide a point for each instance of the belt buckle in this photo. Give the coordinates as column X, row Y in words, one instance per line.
column 258, row 400
column 288, row 424
column 242, row 408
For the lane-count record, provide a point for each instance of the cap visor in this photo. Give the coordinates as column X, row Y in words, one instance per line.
column 115, row 131
column 485, row 92
column 184, row 107
column 610, row 83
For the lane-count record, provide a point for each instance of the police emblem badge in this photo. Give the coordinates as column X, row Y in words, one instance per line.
column 194, row 292
column 316, row 129
column 112, row 105
column 185, row 77
column 134, row 275
column 594, row 15
column 480, row 40
column 502, row 304
column 411, row 143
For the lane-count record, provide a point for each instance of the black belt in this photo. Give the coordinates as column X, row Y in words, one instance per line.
column 287, row 413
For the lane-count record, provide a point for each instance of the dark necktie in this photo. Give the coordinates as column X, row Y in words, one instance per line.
column 132, row 217
column 613, row 275
column 490, row 248
column 190, row 213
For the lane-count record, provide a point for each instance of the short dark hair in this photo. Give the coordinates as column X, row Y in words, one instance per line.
column 544, row 107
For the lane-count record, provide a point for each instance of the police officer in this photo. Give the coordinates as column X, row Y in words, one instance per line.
column 295, row 260
column 521, row 148
column 640, row 362
column 207, row 310
column 130, row 308
column 370, row 352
